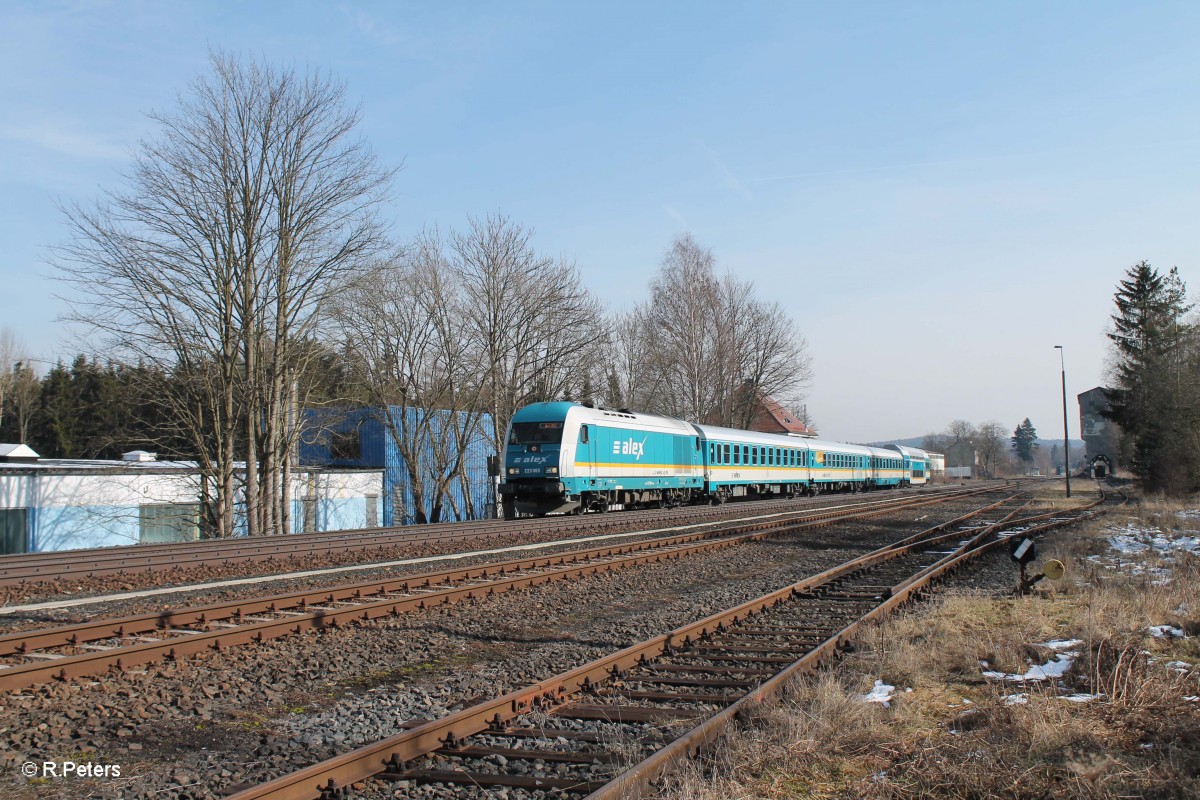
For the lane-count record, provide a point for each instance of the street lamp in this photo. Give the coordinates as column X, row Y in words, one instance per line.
column 1066, row 439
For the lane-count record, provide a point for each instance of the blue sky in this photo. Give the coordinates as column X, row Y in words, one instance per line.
column 938, row 192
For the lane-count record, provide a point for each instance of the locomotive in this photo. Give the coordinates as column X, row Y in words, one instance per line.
column 567, row 457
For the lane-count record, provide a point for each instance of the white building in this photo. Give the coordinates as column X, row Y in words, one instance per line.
column 63, row 504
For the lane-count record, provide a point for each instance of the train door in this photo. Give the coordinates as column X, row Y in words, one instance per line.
column 585, row 452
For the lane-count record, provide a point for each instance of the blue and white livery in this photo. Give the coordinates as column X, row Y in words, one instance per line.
column 569, row 457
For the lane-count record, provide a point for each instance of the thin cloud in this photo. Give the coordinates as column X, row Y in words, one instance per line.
column 725, row 172
column 53, row 137
column 674, row 214
column 976, row 160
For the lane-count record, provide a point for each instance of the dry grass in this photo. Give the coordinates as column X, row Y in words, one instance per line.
column 954, row 734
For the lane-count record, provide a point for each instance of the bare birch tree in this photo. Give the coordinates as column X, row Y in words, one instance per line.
column 705, row 348
column 8, row 360
column 406, row 323
column 992, row 444
column 24, row 389
column 238, row 221
column 537, row 326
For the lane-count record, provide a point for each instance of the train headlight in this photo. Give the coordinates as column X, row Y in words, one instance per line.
column 514, row 471
column 551, row 470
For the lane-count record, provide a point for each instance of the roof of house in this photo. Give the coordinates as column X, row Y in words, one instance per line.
column 17, row 452
column 783, row 416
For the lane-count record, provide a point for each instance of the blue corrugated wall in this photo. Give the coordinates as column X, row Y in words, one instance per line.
column 377, row 449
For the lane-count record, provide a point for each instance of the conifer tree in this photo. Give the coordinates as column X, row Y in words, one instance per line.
column 1024, row 440
column 1151, row 397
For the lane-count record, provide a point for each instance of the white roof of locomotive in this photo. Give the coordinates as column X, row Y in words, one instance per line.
column 613, row 417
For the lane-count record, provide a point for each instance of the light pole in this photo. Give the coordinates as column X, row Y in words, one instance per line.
column 1066, row 439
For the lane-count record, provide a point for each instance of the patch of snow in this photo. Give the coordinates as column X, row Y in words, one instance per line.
column 1055, row 668
column 1190, row 513
column 882, row 693
column 1191, row 698
column 1165, row 544
column 1061, row 644
column 1080, row 698
column 1016, row 700
column 1179, row 666
column 1123, row 543
column 1163, row 631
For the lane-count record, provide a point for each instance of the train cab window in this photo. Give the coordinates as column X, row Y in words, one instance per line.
column 711, row 453
column 583, row 434
column 536, row 433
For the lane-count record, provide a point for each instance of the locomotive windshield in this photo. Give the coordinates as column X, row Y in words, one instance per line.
column 536, row 433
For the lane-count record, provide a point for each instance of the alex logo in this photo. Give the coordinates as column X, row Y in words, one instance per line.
column 629, row 447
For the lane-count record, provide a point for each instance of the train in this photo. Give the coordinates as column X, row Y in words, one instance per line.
column 570, row 457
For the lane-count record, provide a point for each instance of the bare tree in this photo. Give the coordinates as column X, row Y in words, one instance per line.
column 992, row 444
column 537, row 326
column 706, row 349
column 682, row 313
column 8, row 359
column 24, row 389
column 239, row 221
column 960, row 431
column 406, row 322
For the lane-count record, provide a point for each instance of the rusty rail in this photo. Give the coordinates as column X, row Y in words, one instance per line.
column 122, row 642
column 396, row 756
column 130, row 560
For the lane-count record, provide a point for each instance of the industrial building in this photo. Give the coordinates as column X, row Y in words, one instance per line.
column 449, row 453
column 356, row 471
column 1101, row 436
column 51, row 504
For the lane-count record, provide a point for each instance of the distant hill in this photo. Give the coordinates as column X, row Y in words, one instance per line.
column 917, row 441
column 913, row 442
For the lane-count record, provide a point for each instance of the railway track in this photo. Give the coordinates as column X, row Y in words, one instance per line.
column 30, row 568
column 613, row 727
column 35, row 656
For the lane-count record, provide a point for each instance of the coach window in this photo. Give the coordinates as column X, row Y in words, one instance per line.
column 737, row 454
column 583, row 434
